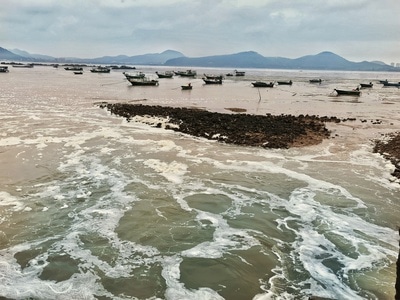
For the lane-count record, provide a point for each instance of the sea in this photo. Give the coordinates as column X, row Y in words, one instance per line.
column 95, row 207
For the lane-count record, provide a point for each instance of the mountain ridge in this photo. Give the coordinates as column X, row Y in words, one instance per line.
column 325, row 60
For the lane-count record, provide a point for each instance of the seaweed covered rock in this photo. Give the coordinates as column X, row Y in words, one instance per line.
column 267, row 131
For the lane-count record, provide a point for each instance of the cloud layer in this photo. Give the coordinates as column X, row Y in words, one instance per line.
column 356, row 29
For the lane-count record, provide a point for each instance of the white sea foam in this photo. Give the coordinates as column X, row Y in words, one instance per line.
column 10, row 201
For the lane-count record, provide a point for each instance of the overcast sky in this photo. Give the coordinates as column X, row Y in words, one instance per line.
column 354, row 29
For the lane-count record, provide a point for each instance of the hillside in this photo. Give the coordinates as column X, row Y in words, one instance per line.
column 249, row 59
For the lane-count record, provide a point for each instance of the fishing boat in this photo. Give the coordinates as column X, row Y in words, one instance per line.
column 355, row 92
column 211, row 76
column 239, row 73
column 22, row 65
column 186, row 87
column 262, row 84
column 187, row 73
column 316, row 80
column 166, row 74
column 3, row 69
column 395, row 84
column 100, row 70
column 73, row 68
column 142, row 81
column 138, row 75
column 366, row 85
column 285, row 82
column 213, row 81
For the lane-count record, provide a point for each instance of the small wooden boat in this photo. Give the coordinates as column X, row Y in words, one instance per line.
column 100, row 70
column 4, row 69
column 366, row 85
column 285, row 82
column 142, row 81
column 187, row 73
column 187, row 87
column 73, row 69
column 22, row 65
column 138, row 75
column 166, row 74
column 316, row 80
column 215, row 77
column 212, row 81
column 395, row 84
column 355, row 92
column 239, row 73
column 78, row 72
column 263, row 84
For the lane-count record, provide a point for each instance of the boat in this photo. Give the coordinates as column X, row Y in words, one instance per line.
column 239, row 73
column 213, row 81
column 187, row 73
column 142, row 81
column 186, row 87
column 216, row 77
column 387, row 83
column 316, row 80
column 78, row 72
column 138, row 75
column 73, row 68
column 166, row 74
column 285, row 82
column 355, row 92
column 262, row 84
column 22, row 65
column 3, row 69
column 100, row 70
column 383, row 81
column 366, row 85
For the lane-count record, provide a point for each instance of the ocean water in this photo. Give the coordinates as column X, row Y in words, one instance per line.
column 95, row 207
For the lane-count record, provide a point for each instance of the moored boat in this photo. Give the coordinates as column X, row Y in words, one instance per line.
column 73, row 68
column 78, row 72
column 213, row 81
column 186, row 87
column 285, row 82
column 395, row 84
column 262, row 84
column 239, row 73
column 22, row 65
column 187, row 73
column 4, row 69
column 100, row 70
column 316, row 80
column 138, row 75
column 216, row 77
column 355, row 92
column 166, row 74
column 142, row 81
column 366, row 85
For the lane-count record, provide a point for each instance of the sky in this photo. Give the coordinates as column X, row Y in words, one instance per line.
column 357, row 30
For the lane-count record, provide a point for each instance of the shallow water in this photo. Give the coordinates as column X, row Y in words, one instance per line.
column 93, row 207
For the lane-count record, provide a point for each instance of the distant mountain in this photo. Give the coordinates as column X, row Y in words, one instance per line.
column 38, row 57
column 145, row 59
column 322, row 61
column 249, row 59
column 8, row 55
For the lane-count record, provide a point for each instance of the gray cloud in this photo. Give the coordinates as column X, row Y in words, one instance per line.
column 355, row 29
